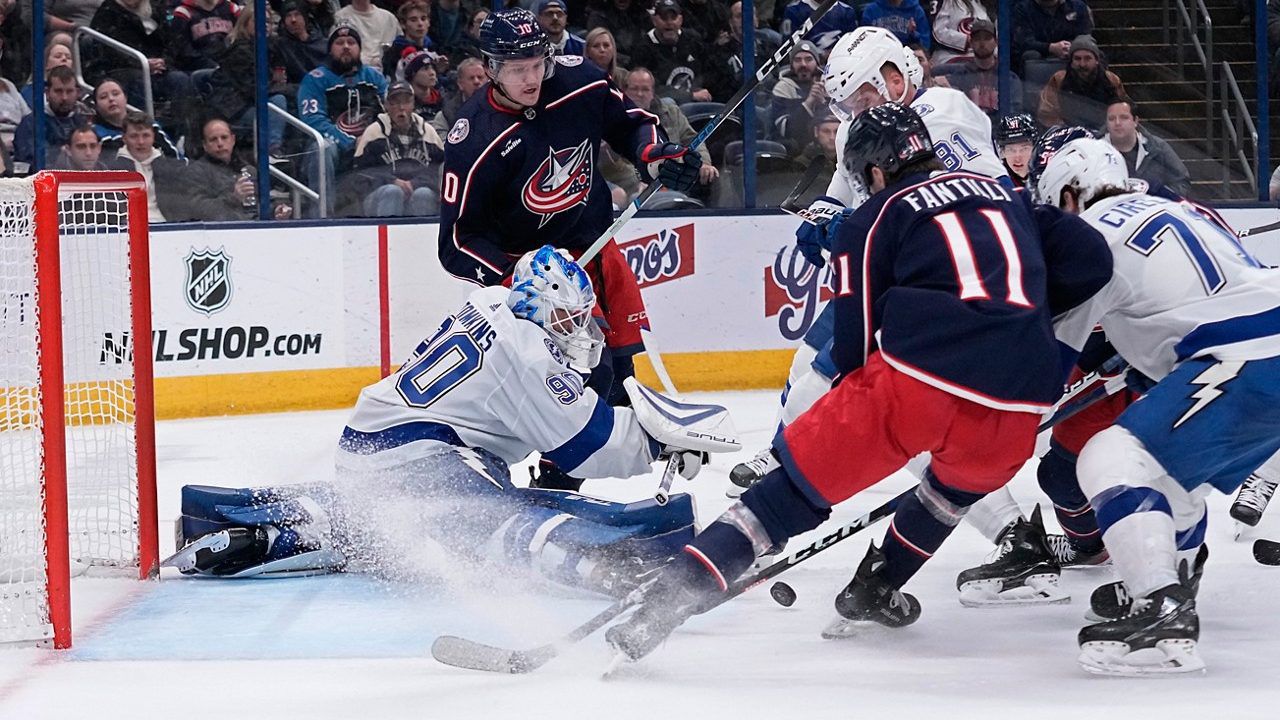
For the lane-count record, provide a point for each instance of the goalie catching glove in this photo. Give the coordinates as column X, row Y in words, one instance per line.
column 675, row 166
column 687, row 431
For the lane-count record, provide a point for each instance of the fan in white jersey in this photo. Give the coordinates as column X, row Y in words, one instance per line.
column 1189, row 308
column 424, row 458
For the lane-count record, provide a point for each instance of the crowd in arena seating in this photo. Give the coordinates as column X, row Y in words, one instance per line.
column 383, row 80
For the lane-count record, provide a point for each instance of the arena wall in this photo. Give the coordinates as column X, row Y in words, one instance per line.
column 253, row 318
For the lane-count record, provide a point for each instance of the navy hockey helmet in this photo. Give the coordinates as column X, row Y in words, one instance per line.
column 888, row 136
column 1049, row 144
column 1016, row 128
column 514, row 34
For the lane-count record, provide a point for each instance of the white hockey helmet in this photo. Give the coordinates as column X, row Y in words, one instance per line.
column 1087, row 166
column 856, row 60
column 552, row 291
column 915, row 71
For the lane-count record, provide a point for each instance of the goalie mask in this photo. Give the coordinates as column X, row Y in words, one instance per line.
column 856, row 60
column 550, row 290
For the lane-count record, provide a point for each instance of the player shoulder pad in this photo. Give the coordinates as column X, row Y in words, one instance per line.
column 688, row 426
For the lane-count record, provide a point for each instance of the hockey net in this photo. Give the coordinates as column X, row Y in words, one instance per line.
column 77, row 459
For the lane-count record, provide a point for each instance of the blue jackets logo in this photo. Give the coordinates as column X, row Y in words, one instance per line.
column 208, row 281
column 561, row 182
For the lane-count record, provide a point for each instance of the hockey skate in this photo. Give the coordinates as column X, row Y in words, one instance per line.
column 1158, row 638
column 869, row 598
column 662, row 606
column 1251, row 502
column 744, row 475
column 1112, row 601
column 1024, row 572
column 1069, row 558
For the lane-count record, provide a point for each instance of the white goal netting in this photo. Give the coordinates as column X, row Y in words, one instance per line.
column 101, row 457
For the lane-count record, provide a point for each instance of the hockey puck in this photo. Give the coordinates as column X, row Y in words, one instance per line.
column 1266, row 552
column 783, row 594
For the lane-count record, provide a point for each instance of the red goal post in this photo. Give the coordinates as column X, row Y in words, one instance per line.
column 77, row 437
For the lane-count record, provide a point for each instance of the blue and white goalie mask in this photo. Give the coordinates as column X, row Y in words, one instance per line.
column 550, row 290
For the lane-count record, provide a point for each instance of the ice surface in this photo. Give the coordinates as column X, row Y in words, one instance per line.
column 356, row 647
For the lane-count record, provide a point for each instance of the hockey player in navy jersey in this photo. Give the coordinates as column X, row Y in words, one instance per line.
column 942, row 342
column 521, row 169
column 423, row 461
column 1191, row 310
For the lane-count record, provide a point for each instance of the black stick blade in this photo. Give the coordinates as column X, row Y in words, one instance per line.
column 1266, row 552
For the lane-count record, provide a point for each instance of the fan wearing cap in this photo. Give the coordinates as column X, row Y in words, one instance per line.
column 977, row 76
column 553, row 17
column 798, row 96
column 398, row 158
column 1080, row 94
column 522, row 169
column 678, row 58
column 378, row 28
column 339, row 99
column 953, row 26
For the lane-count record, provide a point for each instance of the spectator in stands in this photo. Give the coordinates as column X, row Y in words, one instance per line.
column 63, row 15
column 139, row 154
column 398, row 160
column 603, row 51
column 709, row 18
column 200, row 30
column 60, row 95
column 821, row 148
column 952, row 26
column 234, row 84
column 553, row 18
column 57, row 52
column 640, row 88
column 449, row 24
column 1273, row 187
column 134, row 23
column 1045, row 29
column 674, row 55
column 468, row 43
column 15, row 42
column 839, row 20
column 319, row 13
column 926, row 67
column 904, row 18
column 471, row 77
column 627, row 20
column 423, row 79
column 219, row 185
column 110, row 107
column 1081, row 94
column 977, row 76
column 377, row 27
column 301, row 43
column 797, row 97
column 339, row 99
column 724, row 74
column 415, row 20
column 83, row 151
column 12, row 109
column 1148, row 157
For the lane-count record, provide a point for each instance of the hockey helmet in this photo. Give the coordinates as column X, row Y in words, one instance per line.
column 514, row 34
column 1087, row 166
column 888, row 136
column 552, row 291
column 1049, row 143
column 1016, row 128
column 856, row 60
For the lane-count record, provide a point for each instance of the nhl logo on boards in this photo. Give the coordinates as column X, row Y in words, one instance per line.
column 208, row 280
column 459, row 131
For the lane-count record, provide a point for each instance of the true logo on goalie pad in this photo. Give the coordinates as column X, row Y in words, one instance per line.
column 208, row 280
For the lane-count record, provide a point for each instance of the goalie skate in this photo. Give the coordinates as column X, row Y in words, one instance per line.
column 1159, row 638
column 1024, row 572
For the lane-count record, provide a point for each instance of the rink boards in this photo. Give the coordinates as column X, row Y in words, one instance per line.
column 253, row 318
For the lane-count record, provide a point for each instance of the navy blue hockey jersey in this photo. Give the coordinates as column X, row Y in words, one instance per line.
column 956, row 279
column 513, row 183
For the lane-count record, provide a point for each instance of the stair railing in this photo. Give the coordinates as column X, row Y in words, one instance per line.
column 1187, row 26
column 1234, row 129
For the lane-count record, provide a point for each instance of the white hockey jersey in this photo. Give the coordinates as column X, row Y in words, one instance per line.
column 487, row 379
column 961, row 135
column 1182, row 287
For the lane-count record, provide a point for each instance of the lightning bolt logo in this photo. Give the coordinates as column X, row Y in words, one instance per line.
column 473, row 461
column 1211, row 381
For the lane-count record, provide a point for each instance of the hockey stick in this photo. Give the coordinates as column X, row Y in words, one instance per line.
column 463, row 653
column 1260, row 229
column 664, row 487
column 766, row 69
column 1266, row 552
column 789, row 203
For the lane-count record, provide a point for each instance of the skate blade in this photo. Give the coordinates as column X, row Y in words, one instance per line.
column 1038, row 590
column 734, row 492
column 618, row 660
column 185, row 559
column 1168, row 657
column 845, row 629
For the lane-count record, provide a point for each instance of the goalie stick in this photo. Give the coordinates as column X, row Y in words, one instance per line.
column 782, row 54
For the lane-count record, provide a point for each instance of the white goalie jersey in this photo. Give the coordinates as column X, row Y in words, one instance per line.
column 961, row 135
column 487, row 379
column 1182, row 287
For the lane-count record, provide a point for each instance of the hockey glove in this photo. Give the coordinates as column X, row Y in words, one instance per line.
column 688, row 462
column 816, row 233
column 677, row 166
